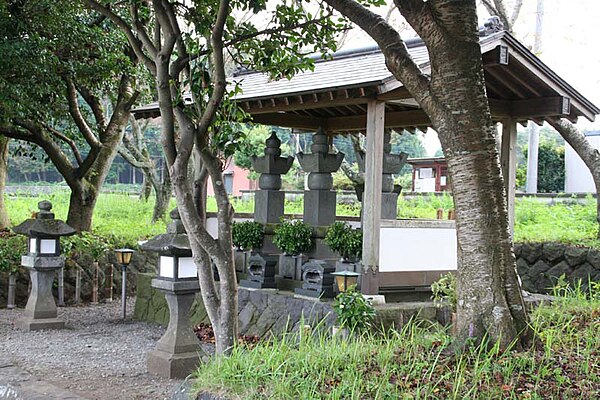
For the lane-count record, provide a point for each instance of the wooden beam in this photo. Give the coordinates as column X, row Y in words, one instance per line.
column 395, row 94
column 393, row 119
column 508, row 161
column 530, row 108
column 371, row 207
column 310, row 100
column 553, row 84
column 289, row 120
column 498, row 56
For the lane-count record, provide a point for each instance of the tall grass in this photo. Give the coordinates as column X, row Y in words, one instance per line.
column 116, row 215
column 125, row 216
column 414, row 363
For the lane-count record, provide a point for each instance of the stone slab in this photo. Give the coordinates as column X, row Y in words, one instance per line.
column 183, row 286
column 30, row 324
column 172, row 366
column 18, row 384
column 268, row 206
column 319, row 207
column 258, row 285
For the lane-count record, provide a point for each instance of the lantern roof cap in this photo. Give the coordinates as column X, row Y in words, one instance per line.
column 43, row 224
column 174, row 241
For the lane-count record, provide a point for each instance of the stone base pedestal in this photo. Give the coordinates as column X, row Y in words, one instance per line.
column 40, row 311
column 175, row 353
column 172, row 366
column 31, row 324
column 268, row 206
column 290, row 267
column 389, row 205
column 319, row 207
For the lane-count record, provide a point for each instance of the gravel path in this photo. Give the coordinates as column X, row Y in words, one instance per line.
column 98, row 356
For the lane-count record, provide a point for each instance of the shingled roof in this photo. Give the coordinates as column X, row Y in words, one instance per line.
column 334, row 95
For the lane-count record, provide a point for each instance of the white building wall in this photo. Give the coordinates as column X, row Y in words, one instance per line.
column 577, row 176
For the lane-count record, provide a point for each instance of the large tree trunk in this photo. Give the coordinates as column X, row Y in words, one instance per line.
column 489, row 297
column 4, row 220
column 490, row 304
column 583, row 148
column 81, row 209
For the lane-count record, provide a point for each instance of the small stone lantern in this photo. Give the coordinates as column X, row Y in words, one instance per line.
column 176, row 353
column 43, row 260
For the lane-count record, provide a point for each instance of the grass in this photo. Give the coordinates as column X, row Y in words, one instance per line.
column 116, row 215
column 413, row 363
column 125, row 217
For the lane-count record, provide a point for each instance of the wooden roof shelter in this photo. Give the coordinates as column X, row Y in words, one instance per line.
column 355, row 92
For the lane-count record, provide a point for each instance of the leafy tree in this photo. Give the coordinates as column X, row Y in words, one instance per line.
column 183, row 44
column 66, row 85
column 490, row 304
column 135, row 150
column 551, row 167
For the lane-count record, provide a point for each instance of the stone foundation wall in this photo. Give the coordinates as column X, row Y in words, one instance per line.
column 259, row 311
column 541, row 264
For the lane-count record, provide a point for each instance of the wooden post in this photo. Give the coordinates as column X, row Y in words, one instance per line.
column 78, row 285
column 108, row 284
column 372, row 197
column 12, row 290
column 95, row 283
column 61, row 287
column 508, row 161
column 439, row 213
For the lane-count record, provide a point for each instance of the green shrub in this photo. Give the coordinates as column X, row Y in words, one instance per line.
column 353, row 311
column 247, row 235
column 444, row 289
column 84, row 248
column 344, row 240
column 12, row 247
column 293, row 237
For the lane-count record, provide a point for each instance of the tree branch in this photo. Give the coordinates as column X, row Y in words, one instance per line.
column 140, row 30
column 182, row 61
column 135, row 43
column 75, row 112
column 67, row 140
column 94, row 104
column 32, row 133
column 398, row 60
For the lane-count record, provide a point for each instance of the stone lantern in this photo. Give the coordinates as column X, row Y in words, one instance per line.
column 43, row 259
column 269, row 200
column 175, row 354
column 320, row 200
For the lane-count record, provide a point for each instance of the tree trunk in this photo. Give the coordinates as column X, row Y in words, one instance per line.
column 146, row 189
column 81, row 209
column 4, row 220
column 163, row 193
column 583, row 148
column 490, row 303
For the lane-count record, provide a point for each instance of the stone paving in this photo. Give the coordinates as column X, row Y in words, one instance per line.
column 97, row 356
